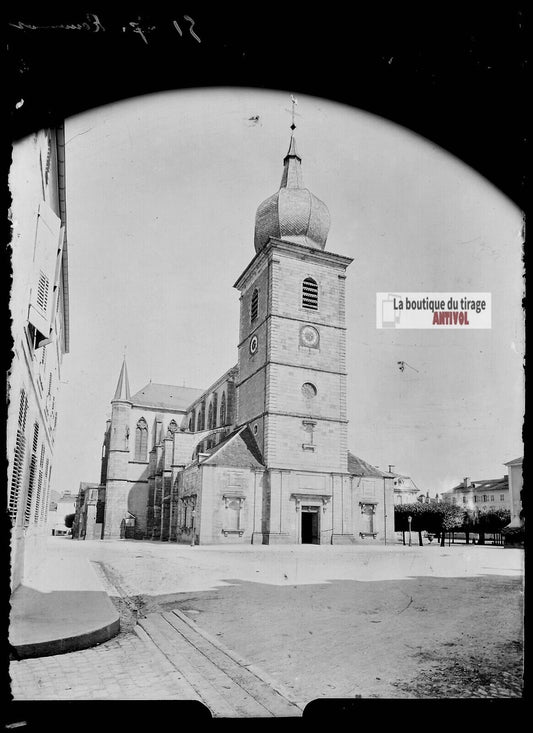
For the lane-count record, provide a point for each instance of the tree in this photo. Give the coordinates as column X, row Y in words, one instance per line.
column 490, row 519
column 69, row 520
column 452, row 517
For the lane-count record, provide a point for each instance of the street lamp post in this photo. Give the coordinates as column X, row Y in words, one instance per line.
column 409, row 519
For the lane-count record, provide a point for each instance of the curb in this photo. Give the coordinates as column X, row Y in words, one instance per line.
column 74, row 643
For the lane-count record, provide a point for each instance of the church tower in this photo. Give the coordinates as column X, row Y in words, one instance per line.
column 292, row 344
column 117, row 484
column 291, row 388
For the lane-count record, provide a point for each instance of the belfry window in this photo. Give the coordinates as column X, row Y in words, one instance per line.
column 254, row 306
column 141, row 440
column 310, row 294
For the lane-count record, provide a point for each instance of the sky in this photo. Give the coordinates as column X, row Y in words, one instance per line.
column 162, row 192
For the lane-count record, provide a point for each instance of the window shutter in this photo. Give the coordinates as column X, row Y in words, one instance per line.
column 57, row 274
column 47, row 246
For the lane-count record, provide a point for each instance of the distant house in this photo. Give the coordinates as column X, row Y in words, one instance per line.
column 482, row 492
column 405, row 489
column 58, row 510
column 90, row 505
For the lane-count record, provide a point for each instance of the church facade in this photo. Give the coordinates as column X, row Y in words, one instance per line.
column 261, row 456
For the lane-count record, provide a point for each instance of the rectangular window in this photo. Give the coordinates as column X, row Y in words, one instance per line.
column 475, row 498
column 492, row 497
column 464, row 499
column 502, row 497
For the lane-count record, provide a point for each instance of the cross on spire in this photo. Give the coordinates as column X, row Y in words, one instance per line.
column 293, row 112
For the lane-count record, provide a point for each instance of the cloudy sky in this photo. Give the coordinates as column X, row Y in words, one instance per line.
column 161, row 198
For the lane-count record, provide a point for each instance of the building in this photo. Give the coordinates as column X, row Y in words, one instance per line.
column 405, row 489
column 58, row 510
column 261, row 456
column 476, row 494
column 89, row 512
column 40, row 332
column 515, row 481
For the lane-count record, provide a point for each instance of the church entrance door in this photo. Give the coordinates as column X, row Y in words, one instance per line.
column 310, row 525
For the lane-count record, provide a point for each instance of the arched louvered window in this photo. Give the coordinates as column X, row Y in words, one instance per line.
column 254, row 305
column 310, row 294
column 223, row 409
column 141, row 440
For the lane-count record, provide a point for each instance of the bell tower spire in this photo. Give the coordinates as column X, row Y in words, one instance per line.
column 122, row 391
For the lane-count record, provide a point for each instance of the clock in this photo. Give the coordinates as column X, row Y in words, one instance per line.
column 253, row 344
column 309, row 336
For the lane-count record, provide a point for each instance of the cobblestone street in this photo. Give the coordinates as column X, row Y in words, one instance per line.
column 123, row 668
column 388, row 622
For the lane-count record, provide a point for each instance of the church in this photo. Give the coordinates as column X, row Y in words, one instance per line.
column 261, row 456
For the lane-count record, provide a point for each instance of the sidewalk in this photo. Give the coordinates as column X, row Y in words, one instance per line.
column 61, row 609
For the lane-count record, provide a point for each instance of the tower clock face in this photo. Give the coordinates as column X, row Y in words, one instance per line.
column 309, row 337
column 253, row 344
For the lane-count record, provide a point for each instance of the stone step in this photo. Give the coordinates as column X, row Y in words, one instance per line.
column 238, row 669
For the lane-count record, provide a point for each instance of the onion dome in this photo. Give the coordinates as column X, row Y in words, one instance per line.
column 293, row 214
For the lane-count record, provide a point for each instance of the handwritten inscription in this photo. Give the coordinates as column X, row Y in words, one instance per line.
column 93, row 24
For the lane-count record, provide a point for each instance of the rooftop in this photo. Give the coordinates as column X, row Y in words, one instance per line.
column 238, row 450
column 358, row 467
column 166, row 396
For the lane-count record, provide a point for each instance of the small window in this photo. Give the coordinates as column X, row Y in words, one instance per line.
column 254, row 306
column 502, row 497
column 309, row 390
column 484, row 497
column 464, row 499
column 475, row 498
column 310, row 294
column 492, row 497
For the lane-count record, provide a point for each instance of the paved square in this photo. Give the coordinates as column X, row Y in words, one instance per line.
column 324, row 621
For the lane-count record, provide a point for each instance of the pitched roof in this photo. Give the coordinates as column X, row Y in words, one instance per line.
column 167, row 396
column 515, row 462
column 238, row 450
column 358, row 467
column 481, row 484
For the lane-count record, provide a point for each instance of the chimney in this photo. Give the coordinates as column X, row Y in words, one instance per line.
column 466, row 482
